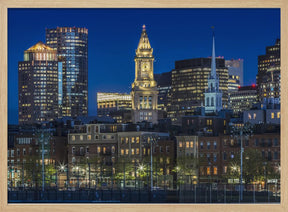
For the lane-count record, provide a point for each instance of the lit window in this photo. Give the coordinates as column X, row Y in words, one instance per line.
column 208, row 171
column 187, row 144
column 272, row 115
column 73, row 137
column 122, row 151
column 88, row 137
column 127, row 151
column 278, row 115
column 132, row 151
column 180, row 144
column 215, row 171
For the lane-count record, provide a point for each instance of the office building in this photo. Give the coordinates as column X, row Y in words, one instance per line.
column 71, row 44
column 144, row 88
column 268, row 77
column 164, row 89
column 235, row 71
column 243, row 99
column 39, row 77
column 189, row 82
column 111, row 102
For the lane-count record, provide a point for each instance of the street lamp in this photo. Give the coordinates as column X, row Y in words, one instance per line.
column 153, row 140
column 240, row 131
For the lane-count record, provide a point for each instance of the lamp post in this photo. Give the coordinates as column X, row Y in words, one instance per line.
column 153, row 140
column 239, row 131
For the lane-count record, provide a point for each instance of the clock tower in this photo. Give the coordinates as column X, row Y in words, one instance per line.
column 144, row 88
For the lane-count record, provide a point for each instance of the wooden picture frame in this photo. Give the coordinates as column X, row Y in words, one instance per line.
column 5, row 4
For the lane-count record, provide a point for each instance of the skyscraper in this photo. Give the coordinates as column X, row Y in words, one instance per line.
column 71, row 44
column 235, row 71
column 38, row 78
column 268, row 77
column 144, row 88
column 213, row 96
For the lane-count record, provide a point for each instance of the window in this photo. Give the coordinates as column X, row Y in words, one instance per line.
column 187, row 144
column 81, row 151
column 191, row 144
column 88, row 137
column 225, row 169
column 81, row 137
column 96, row 137
column 167, row 160
column 133, row 140
column 122, row 151
column 246, row 142
column 276, row 157
column 278, row 115
column 180, row 144
column 127, row 151
column 161, row 149
column 256, row 142
column 122, row 140
column 87, row 149
column 272, row 115
column 208, row 145
column 104, row 150
column 214, row 157
column 276, row 143
column 132, row 151
column 215, row 145
column 18, row 152
column 224, row 156
column 201, row 145
column 137, row 140
column 98, row 149
column 127, row 140
column 137, row 151
column 215, row 170
column 167, row 149
column 73, row 137
column 73, row 150
column 208, row 171
column 113, row 149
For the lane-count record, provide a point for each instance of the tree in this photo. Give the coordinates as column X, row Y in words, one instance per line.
column 33, row 172
column 255, row 167
column 186, row 168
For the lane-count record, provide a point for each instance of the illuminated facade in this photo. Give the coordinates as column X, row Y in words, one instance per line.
column 268, row 77
column 235, row 71
column 116, row 105
column 189, row 82
column 144, row 88
column 38, row 78
column 71, row 44
column 213, row 96
column 164, row 89
column 243, row 99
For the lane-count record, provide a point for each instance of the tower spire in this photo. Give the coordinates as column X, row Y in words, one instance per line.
column 213, row 61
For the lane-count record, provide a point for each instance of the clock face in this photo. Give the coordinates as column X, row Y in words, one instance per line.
column 145, row 66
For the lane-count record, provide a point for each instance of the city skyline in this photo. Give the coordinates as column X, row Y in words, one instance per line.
column 121, row 42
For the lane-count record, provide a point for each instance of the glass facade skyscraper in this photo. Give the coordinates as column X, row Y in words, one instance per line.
column 38, row 81
column 71, row 44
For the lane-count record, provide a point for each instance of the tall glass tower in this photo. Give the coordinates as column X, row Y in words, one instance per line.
column 38, row 84
column 71, row 44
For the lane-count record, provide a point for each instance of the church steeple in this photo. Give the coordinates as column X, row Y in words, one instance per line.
column 213, row 60
column 213, row 96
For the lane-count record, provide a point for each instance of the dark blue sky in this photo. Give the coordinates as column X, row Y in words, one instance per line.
column 113, row 35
